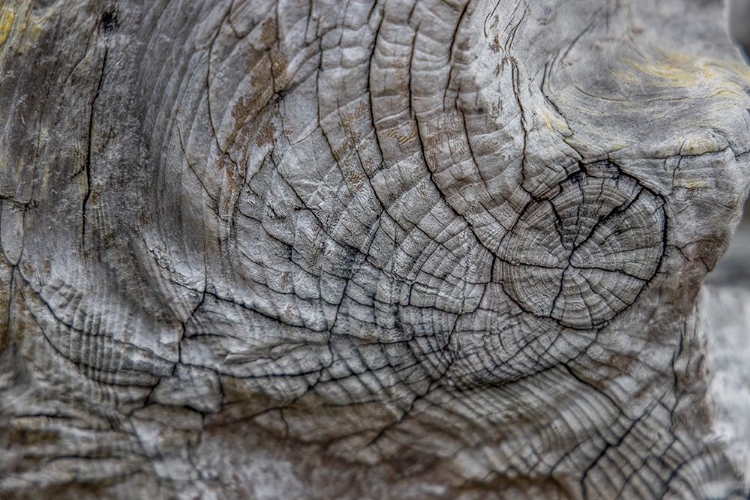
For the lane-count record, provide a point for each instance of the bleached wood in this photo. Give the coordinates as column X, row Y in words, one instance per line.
column 369, row 249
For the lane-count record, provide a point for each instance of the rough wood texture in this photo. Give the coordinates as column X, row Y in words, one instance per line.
column 360, row 249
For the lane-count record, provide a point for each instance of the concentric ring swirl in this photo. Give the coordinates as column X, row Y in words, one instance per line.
column 585, row 251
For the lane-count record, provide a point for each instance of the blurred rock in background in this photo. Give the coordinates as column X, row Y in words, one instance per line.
column 734, row 266
column 739, row 23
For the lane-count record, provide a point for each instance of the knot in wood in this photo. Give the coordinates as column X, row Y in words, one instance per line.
column 584, row 251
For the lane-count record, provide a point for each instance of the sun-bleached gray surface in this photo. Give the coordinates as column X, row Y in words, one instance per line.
column 369, row 249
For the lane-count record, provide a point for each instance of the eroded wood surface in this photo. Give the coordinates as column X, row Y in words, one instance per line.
column 366, row 249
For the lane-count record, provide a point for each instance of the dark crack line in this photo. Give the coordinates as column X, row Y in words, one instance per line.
column 89, row 148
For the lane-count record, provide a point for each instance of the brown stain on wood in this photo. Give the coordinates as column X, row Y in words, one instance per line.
column 261, row 76
column 400, row 137
column 266, row 135
column 24, row 436
column 268, row 32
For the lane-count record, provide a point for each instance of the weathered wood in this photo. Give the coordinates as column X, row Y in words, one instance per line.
column 369, row 249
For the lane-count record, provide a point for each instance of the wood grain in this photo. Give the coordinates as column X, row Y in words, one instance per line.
column 368, row 249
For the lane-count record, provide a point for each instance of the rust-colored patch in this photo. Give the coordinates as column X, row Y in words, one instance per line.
column 266, row 135
column 27, row 437
column 402, row 138
column 27, row 269
column 707, row 251
column 109, row 240
column 623, row 362
column 340, row 152
column 514, row 485
column 260, row 74
column 232, row 182
column 347, row 119
column 248, row 106
column 248, row 111
column 241, row 400
column 144, row 218
column 268, row 32
column 278, row 69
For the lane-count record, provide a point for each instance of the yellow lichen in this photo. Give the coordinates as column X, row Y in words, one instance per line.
column 686, row 71
column 7, row 15
column 698, row 145
column 691, row 183
column 552, row 121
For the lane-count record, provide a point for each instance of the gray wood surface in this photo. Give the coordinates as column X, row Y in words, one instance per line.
column 371, row 249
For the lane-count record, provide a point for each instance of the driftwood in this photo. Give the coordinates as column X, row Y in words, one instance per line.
column 323, row 249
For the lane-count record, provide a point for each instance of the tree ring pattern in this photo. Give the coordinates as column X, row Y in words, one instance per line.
column 584, row 251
